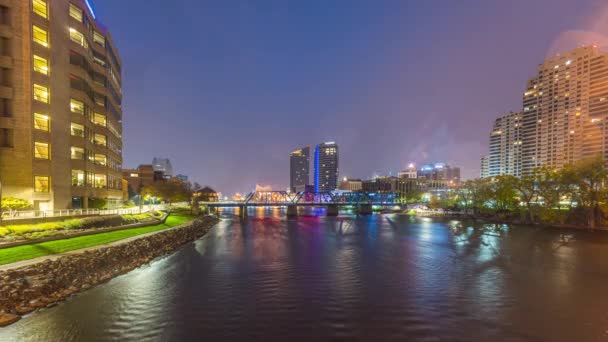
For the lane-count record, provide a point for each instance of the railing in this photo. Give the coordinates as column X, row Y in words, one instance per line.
column 29, row 214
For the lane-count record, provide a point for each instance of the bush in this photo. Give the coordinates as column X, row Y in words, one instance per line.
column 97, row 203
column 12, row 203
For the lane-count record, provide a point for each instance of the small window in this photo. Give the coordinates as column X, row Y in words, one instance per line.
column 78, row 38
column 77, row 178
column 100, row 139
column 99, row 38
column 77, row 130
column 42, row 122
column 76, row 13
column 41, row 93
column 76, row 106
column 6, row 137
column 41, row 8
column 42, row 183
column 41, row 36
column 99, row 119
column 100, row 180
column 77, row 153
column 42, row 150
column 41, row 65
column 100, row 159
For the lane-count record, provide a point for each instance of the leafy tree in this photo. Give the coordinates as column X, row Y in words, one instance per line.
column 526, row 188
column 591, row 174
column 505, row 193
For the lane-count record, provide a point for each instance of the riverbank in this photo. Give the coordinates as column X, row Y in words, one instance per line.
column 44, row 284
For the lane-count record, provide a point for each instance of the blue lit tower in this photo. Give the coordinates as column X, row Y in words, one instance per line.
column 326, row 167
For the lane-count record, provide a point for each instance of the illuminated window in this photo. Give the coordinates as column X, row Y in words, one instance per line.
column 77, row 130
column 41, row 8
column 99, row 119
column 100, row 159
column 78, row 38
column 42, row 183
column 41, row 93
column 76, row 106
column 99, row 38
column 134, row 175
column 100, row 180
column 100, row 139
column 76, row 13
column 77, row 178
column 42, row 150
column 41, row 122
column 41, row 65
column 41, row 36
column 77, row 153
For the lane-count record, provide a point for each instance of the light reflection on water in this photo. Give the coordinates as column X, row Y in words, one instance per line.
column 377, row 277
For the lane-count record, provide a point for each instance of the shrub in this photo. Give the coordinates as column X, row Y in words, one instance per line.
column 12, row 203
column 97, row 203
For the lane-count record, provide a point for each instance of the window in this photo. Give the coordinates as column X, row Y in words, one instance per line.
column 99, row 119
column 41, row 93
column 99, row 38
column 77, row 178
column 42, row 122
column 41, row 65
column 100, row 180
column 77, row 130
column 77, row 153
column 41, row 8
column 42, row 150
column 78, row 38
column 6, row 137
column 100, row 159
column 42, row 183
column 76, row 13
column 100, row 139
column 41, row 36
column 76, row 106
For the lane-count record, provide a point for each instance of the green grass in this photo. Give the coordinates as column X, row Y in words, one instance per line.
column 26, row 252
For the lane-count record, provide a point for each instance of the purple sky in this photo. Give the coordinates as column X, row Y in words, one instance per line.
column 227, row 88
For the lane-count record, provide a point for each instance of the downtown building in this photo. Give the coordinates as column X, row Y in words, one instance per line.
column 60, row 105
column 326, row 167
column 299, row 169
column 505, row 146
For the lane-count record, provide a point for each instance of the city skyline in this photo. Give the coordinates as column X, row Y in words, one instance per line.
column 377, row 59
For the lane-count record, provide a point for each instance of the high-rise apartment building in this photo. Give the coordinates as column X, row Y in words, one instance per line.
column 565, row 110
column 505, row 146
column 60, row 105
column 326, row 167
column 163, row 165
column 485, row 165
column 299, row 169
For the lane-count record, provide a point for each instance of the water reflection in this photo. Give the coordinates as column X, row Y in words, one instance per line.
column 378, row 277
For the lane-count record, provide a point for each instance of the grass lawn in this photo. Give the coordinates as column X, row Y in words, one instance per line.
column 26, row 252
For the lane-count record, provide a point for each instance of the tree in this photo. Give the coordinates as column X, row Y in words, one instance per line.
column 591, row 175
column 526, row 188
column 505, row 193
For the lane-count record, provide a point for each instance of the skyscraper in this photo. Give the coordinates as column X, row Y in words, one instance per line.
column 299, row 169
column 326, row 167
column 485, row 165
column 163, row 165
column 505, row 146
column 565, row 110
column 60, row 105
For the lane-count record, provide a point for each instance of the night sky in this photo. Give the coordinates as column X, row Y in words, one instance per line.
column 226, row 89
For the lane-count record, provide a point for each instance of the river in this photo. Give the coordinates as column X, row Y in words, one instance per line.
column 377, row 278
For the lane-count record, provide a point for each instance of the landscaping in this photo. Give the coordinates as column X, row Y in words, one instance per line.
column 31, row 251
column 18, row 232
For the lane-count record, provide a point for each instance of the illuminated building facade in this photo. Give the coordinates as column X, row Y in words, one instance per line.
column 299, row 169
column 505, row 146
column 439, row 172
column 60, row 105
column 351, row 185
column 163, row 165
column 326, row 167
column 485, row 165
column 565, row 110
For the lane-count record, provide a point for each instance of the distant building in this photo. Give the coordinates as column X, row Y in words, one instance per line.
column 439, row 172
column 299, row 166
column 326, row 167
column 351, row 185
column 485, row 172
column 143, row 175
column 163, row 165
column 410, row 172
column 183, row 178
column 207, row 194
column 505, row 146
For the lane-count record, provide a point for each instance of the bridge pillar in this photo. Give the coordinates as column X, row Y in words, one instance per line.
column 332, row 210
column 292, row 211
column 364, row 209
column 243, row 211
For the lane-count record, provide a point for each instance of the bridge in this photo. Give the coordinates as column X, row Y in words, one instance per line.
column 362, row 201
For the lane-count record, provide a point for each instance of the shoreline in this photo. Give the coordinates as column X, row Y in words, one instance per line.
column 44, row 284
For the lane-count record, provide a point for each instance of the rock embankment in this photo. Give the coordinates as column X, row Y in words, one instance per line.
column 44, row 284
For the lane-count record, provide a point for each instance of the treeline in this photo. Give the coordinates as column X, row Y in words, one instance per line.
column 576, row 194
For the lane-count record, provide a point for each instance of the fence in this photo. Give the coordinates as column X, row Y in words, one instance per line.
column 29, row 214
